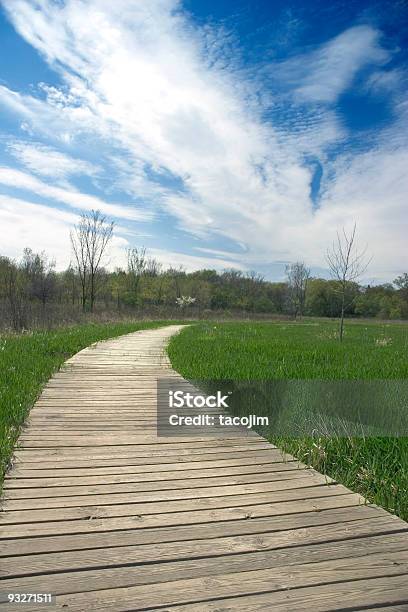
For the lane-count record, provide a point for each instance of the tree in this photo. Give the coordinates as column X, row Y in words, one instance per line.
column 402, row 283
column 298, row 276
column 346, row 264
column 276, row 292
column 14, row 290
column 69, row 282
column 89, row 240
column 177, row 274
column 153, row 267
column 40, row 275
column 136, row 267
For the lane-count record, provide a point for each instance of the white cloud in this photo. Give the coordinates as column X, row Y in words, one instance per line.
column 385, row 81
column 371, row 188
column 38, row 115
column 48, row 162
column 323, row 74
column 80, row 201
column 136, row 77
column 26, row 224
column 174, row 259
column 222, row 254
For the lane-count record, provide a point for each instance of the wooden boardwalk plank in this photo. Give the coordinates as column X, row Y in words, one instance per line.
column 125, row 537
column 93, row 519
column 100, row 511
column 190, row 549
column 118, row 576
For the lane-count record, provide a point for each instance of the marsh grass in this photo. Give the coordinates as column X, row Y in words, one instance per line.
column 375, row 466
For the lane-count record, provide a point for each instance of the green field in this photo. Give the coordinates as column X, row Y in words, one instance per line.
column 28, row 360
column 375, row 466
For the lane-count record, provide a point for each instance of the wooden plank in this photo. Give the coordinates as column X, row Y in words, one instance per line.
column 195, row 549
column 137, row 441
column 95, row 520
column 88, row 498
column 190, row 532
column 78, row 581
column 151, row 463
column 163, row 504
column 55, row 487
column 146, row 450
column 214, row 467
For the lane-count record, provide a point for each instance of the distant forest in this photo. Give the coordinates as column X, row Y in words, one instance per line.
column 33, row 294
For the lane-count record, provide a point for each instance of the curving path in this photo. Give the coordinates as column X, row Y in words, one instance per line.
column 105, row 515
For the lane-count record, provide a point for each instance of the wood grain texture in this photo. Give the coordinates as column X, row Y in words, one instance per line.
column 106, row 515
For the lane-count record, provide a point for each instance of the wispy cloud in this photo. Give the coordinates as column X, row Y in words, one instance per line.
column 190, row 263
column 27, row 224
column 74, row 199
column 46, row 161
column 322, row 74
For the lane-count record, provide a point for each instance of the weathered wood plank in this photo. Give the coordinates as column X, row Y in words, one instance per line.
column 195, row 549
column 89, row 498
column 95, row 519
column 59, row 458
column 56, row 487
column 44, row 470
column 78, row 581
column 342, row 516
column 163, row 504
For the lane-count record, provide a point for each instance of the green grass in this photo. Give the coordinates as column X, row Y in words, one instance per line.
column 375, row 466
column 28, row 360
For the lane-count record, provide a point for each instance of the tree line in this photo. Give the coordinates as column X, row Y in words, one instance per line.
column 33, row 293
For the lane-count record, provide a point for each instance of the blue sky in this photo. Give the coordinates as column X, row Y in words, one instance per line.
column 217, row 134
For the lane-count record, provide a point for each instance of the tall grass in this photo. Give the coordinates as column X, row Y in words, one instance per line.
column 375, row 466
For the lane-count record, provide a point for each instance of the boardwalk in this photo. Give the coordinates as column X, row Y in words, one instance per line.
column 107, row 516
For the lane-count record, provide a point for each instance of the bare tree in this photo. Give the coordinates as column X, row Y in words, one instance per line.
column 81, row 259
column 347, row 264
column 153, row 267
column 89, row 240
column 298, row 276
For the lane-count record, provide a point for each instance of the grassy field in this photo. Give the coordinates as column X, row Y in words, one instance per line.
column 28, row 360
column 375, row 466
